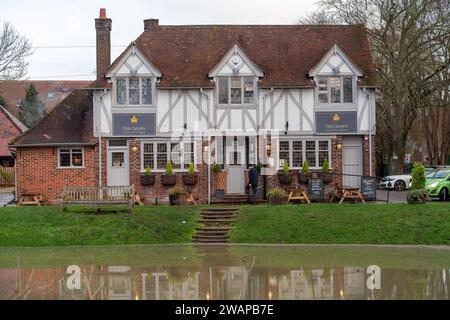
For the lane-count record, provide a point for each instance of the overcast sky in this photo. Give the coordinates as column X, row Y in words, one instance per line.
column 71, row 23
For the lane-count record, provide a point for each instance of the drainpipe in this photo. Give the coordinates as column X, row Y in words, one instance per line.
column 99, row 132
column 370, row 130
column 264, row 151
column 209, row 147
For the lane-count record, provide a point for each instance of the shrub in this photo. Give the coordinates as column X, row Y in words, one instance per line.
column 286, row 167
column 191, row 169
column 276, row 196
column 275, row 192
column 217, row 168
column 148, row 171
column 169, row 169
column 417, row 196
column 418, row 177
column 325, row 166
column 176, row 192
column 305, row 167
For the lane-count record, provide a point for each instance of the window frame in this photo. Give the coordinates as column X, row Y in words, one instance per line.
column 58, row 155
column 242, row 87
column 127, row 91
column 183, row 166
column 303, row 150
column 341, row 78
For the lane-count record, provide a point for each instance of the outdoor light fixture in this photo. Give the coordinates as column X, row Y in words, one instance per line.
column 287, row 127
column 268, row 149
column 134, row 148
column 339, row 146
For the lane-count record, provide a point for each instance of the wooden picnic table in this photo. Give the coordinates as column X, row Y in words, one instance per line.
column 299, row 194
column 31, row 199
column 352, row 193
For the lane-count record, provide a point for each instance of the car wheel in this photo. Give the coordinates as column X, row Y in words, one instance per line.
column 400, row 185
column 443, row 195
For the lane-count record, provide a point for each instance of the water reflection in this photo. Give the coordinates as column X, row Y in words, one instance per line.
column 154, row 273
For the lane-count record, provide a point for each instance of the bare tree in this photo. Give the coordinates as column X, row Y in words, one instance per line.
column 406, row 37
column 14, row 49
column 320, row 17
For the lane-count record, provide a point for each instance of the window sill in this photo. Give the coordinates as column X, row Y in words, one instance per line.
column 70, row 167
column 236, row 105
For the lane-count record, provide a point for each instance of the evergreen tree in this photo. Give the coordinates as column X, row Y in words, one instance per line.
column 32, row 108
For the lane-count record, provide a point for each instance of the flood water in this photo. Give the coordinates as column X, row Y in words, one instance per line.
column 230, row 272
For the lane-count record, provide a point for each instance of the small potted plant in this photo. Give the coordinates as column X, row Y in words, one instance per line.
column 304, row 174
column 147, row 179
column 284, row 177
column 190, row 178
column 176, row 196
column 169, row 179
column 276, row 196
column 326, row 174
column 219, row 180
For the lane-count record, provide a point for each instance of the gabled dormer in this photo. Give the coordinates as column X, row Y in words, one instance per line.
column 336, row 79
column 236, row 76
column 134, row 80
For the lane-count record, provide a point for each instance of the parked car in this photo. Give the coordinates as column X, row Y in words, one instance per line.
column 397, row 182
column 438, row 184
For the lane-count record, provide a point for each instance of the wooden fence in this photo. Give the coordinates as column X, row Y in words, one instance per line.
column 7, row 176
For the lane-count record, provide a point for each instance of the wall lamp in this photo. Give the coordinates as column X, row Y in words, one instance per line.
column 134, row 148
column 339, row 146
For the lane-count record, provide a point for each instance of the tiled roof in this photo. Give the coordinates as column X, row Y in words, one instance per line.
column 50, row 91
column 285, row 53
column 10, row 127
column 69, row 122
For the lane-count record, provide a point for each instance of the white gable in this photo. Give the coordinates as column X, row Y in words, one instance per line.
column 336, row 62
column 236, row 63
column 133, row 63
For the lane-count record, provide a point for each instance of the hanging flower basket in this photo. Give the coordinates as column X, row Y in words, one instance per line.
column 147, row 180
column 168, row 180
column 190, row 179
column 284, row 178
column 303, row 177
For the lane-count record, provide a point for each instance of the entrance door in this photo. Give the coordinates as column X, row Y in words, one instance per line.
column 352, row 161
column 235, row 159
column 118, row 167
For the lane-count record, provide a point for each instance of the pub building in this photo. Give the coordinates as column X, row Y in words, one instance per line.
column 217, row 96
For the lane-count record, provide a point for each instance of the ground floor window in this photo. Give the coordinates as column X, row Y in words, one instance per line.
column 70, row 157
column 156, row 154
column 295, row 151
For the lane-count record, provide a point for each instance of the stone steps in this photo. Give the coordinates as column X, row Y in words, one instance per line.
column 215, row 225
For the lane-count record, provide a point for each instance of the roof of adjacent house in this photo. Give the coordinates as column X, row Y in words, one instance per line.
column 285, row 53
column 68, row 123
column 10, row 127
column 50, row 91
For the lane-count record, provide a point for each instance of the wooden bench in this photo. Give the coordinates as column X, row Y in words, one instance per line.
column 97, row 196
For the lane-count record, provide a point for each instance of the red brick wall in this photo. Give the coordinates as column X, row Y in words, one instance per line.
column 148, row 193
column 37, row 172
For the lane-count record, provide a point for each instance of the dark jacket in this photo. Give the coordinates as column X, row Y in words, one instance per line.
column 253, row 176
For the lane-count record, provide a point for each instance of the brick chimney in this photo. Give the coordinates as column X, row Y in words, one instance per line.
column 103, row 32
column 149, row 23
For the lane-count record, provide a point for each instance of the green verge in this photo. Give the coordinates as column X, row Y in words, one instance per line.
column 49, row 226
column 344, row 224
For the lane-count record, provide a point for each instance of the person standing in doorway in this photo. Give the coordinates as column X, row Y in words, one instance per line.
column 253, row 180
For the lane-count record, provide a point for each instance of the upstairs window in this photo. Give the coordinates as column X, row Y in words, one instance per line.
column 335, row 89
column 134, row 91
column 236, row 90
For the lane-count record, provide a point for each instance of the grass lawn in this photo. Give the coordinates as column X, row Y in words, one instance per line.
column 49, row 226
column 344, row 224
column 318, row 223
